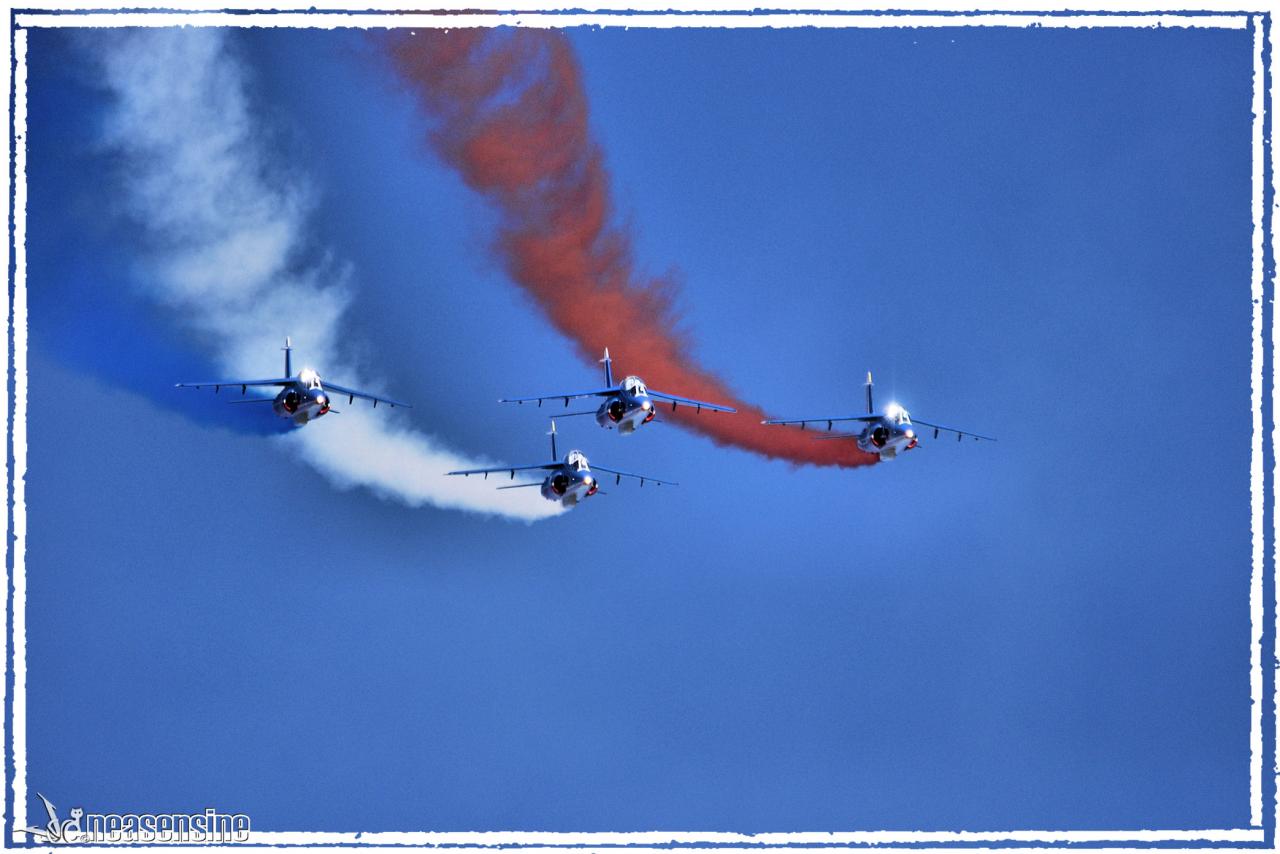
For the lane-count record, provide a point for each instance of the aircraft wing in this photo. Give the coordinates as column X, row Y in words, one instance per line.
column 217, row 384
column 959, row 433
column 600, row 392
column 803, row 422
column 509, row 469
column 352, row 393
column 700, row 404
column 643, row 478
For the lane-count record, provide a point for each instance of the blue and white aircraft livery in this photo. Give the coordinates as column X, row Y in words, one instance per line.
column 886, row 433
column 302, row 398
column 627, row 405
column 568, row 481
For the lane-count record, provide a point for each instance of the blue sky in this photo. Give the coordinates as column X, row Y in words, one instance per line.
column 1040, row 234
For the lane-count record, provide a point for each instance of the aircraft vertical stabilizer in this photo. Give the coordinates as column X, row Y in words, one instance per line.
column 608, row 369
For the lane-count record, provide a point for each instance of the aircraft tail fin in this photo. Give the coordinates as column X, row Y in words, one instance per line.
column 288, row 363
column 552, row 434
column 870, row 404
column 608, row 369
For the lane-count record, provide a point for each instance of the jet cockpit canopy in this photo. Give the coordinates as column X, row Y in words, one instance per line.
column 309, row 378
column 634, row 386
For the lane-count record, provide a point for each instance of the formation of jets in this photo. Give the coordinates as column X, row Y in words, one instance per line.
column 625, row 406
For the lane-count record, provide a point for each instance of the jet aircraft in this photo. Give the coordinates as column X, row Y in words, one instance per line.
column 627, row 405
column 302, row 398
column 568, row 481
column 885, row 433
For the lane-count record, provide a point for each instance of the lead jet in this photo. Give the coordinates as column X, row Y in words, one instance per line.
column 302, row 398
column 886, row 433
column 627, row 405
column 568, row 481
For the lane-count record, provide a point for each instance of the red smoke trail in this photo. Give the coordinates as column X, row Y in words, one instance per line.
column 511, row 117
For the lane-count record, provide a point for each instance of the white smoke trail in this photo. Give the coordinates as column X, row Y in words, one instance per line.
column 226, row 247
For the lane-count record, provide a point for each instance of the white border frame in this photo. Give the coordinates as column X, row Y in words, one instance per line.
column 329, row 16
